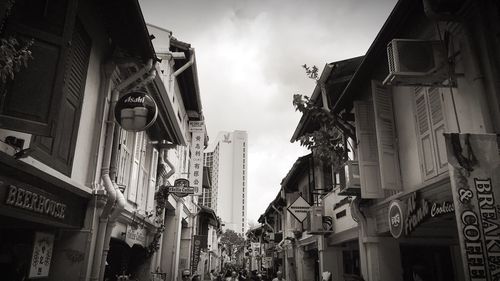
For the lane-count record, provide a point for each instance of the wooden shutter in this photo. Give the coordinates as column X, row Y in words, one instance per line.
column 438, row 128
column 144, row 165
column 369, row 171
column 58, row 151
column 125, row 158
column 386, row 137
column 134, row 174
column 424, row 133
column 152, row 181
column 33, row 102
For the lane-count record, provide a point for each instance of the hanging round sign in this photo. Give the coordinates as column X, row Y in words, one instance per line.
column 136, row 111
column 396, row 218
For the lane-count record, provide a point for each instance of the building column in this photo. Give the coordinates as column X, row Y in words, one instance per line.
column 171, row 243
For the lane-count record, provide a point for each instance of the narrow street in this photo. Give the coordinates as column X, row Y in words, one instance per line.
column 263, row 140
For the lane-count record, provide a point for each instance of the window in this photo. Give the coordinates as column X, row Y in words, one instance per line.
column 56, row 151
column 430, row 120
column 57, row 75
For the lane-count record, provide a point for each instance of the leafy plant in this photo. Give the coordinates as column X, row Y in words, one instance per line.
column 13, row 55
column 326, row 141
column 161, row 198
column 232, row 241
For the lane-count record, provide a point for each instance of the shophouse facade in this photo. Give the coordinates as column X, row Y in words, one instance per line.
column 405, row 211
column 74, row 182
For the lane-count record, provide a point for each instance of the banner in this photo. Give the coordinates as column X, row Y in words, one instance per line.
column 197, row 146
column 474, row 163
column 42, row 255
column 197, row 245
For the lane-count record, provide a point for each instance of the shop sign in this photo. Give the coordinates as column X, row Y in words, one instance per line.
column 474, row 162
column 42, row 255
column 35, row 202
column 136, row 111
column 197, row 245
column 396, row 218
column 181, row 188
column 407, row 217
column 197, row 147
column 135, row 235
column 299, row 209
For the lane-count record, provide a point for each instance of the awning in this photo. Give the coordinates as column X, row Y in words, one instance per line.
column 210, row 215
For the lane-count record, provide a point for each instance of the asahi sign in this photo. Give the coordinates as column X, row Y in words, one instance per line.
column 474, row 163
column 136, row 111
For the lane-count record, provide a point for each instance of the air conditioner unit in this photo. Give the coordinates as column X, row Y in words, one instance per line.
column 316, row 221
column 350, row 182
column 416, row 63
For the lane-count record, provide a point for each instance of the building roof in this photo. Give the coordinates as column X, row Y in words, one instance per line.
column 336, row 76
column 299, row 166
column 398, row 17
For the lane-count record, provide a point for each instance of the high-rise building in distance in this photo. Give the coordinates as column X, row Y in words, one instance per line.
column 228, row 161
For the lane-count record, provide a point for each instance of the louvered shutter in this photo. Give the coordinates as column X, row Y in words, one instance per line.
column 386, row 137
column 144, row 166
column 424, row 132
column 125, row 158
column 35, row 99
column 369, row 171
column 58, row 152
column 134, row 174
column 152, row 181
column 438, row 128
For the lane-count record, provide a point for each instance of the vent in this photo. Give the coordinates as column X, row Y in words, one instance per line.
column 416, row 63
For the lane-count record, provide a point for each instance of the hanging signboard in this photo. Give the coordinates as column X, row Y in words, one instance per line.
column 197, row 146
column 181, row 188
column 299, row 209
column 474, row 164
column 135, row 111
column 135, row 235
column 42, row 255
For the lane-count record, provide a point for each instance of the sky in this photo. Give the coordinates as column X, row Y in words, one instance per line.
column 249, row 55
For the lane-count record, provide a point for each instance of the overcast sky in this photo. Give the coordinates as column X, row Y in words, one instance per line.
column 249, row 55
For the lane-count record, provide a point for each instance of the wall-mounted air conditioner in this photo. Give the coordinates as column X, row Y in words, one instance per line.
column 350, row 185
column 317, row 220
column 417, row 63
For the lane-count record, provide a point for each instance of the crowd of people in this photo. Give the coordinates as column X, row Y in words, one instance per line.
column 233, row 274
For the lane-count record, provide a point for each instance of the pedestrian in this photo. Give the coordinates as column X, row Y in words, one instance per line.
column 186, row 275
column 279, row 276
column 196, row 277
column 234, row 276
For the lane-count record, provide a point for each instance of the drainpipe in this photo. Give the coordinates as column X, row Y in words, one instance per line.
column 186, row 65
column 116, row 201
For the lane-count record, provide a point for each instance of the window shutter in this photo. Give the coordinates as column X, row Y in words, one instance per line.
column 58, row 151
column 367, row 150
column 145, row 162
column 33, row 102
column 438, row 128
column 136, row 158
column 152, row 181
column 386, row 137
column 424, row 132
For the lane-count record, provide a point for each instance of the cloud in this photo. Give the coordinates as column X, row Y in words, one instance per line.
column 249, row 56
